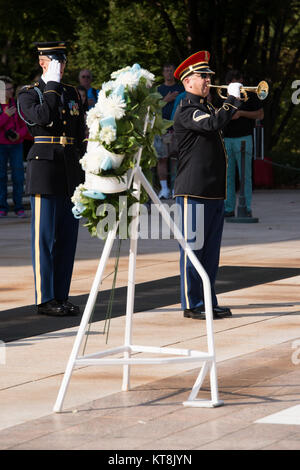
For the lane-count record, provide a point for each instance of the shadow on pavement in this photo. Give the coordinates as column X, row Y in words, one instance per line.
column 23, row 322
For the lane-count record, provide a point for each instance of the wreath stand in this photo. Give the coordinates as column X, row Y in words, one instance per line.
column 181, row 355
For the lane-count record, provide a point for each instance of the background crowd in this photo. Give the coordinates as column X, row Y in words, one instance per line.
column 15, row 140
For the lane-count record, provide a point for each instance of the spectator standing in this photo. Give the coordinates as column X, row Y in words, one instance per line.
column 239, row 129
column 169, row 91
column 12, row 133
column 84, row 97
column 85, row 80
column 180, row 97
column 84, row 101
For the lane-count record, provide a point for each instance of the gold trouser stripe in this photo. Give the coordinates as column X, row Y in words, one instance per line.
column 37, row 212
column 185, row 228
column 199, row 197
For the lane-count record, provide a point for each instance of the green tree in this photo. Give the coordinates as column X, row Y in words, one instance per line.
column 261, row 37
column 25, row 23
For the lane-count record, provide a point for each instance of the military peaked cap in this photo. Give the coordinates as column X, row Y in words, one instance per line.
column 198, row 62
column 55, row 50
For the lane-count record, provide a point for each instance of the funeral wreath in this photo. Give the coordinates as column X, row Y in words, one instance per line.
column 116, row 132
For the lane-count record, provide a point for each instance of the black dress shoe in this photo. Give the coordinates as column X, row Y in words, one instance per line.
column 221, row 312
column 70, row 308
column 195, row 313
column 198, row 314
column 229, row 214
column 52, row 308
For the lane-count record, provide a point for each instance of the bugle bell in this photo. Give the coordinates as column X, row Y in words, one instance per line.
column 261, row 90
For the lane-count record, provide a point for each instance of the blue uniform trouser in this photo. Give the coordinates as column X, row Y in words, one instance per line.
column 54, row 233
column 233, row 149
column 12, row 153
column 208, row 252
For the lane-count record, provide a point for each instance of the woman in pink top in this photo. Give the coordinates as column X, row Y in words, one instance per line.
column 12, row 133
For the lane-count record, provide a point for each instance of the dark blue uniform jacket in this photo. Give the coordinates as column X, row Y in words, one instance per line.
column 53, row 169
column 202, row 163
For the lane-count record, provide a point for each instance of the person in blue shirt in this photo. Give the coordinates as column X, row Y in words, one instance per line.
column 169, row 90
column 85, row 80
column 239, row 129
column 176, row 103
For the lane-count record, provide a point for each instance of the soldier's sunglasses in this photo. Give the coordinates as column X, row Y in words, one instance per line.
column 203, row 75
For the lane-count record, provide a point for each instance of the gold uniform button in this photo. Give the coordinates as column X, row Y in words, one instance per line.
column 63, row 133
column 65, row 122
column 36, row 157
column 63, row 111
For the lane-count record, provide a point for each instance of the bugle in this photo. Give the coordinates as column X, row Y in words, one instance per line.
column 261, row 90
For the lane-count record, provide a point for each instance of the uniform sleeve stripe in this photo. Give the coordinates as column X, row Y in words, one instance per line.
column 226, row 106
column 51, row 91
column 198, row 118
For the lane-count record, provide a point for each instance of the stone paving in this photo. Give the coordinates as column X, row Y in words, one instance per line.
column 257, row 350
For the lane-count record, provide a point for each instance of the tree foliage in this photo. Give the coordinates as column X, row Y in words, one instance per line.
column 261, row 37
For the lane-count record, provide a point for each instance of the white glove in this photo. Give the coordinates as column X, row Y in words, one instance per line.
column 53, row 72
column 234, row 89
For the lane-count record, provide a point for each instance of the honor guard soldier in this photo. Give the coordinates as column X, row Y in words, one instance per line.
column 201, row 179
column 53, row 113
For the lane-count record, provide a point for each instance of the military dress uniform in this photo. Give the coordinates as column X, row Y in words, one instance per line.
column 200, row 180
column 55, row 119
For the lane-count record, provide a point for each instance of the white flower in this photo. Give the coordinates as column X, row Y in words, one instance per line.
column 108, row 134
column 94, row 129
column 118, row 72
column 76, row 198
column 108, row 86
column 117, row 106
column 92, row 120
column 101, row 102
column 149, row 77
column 93, row 114
column 112, row 105
column 91, row 161
column 130, row 76
column 129, row 79
column 96, row 155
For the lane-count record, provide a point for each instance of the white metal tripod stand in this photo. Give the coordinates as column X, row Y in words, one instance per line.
column 180, row 355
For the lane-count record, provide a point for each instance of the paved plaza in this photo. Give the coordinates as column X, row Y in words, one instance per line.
column 257, row 350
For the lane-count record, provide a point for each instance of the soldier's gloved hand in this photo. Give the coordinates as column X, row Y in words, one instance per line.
column 53, row 72
column 234, row 89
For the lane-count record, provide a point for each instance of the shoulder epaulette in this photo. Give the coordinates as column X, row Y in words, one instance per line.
column 41, row 99
column 29, row 87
